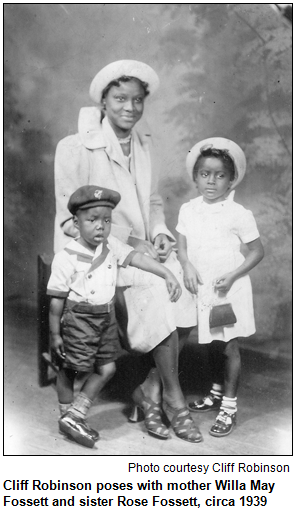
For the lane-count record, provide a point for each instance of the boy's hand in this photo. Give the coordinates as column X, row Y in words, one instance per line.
column 163, row 247
column 224, row 283
column 191, row 278
column 57, row 345
column 173, row 286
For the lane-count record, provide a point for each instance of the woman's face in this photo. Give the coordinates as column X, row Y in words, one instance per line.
column 124, row 106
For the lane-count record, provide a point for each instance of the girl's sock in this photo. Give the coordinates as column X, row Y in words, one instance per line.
column 217, row 391
column 80, row 405
column 229, row 405
column 63, row 408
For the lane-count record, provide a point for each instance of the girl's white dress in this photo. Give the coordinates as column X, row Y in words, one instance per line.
column 214, row 233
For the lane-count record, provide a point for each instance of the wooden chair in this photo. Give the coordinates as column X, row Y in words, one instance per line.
column 46, row 366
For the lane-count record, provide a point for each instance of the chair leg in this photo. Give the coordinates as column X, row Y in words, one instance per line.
column 42, row 319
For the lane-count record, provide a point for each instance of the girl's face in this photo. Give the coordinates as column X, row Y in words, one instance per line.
column 124, row 106
column 212, row 179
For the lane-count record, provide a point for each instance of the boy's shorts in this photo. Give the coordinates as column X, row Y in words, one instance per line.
column 90, row 336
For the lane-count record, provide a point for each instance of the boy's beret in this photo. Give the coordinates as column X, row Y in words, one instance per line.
column 90, row 196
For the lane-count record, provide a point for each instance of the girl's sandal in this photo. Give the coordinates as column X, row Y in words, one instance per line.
column 182, row 424
column 151, row 412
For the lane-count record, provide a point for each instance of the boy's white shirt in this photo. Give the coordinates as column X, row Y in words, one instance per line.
column 81, row 275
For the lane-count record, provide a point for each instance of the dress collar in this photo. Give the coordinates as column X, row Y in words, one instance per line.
column 200, row 204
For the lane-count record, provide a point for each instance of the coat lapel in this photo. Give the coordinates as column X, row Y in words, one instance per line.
column 95, row 134
column 141, row 170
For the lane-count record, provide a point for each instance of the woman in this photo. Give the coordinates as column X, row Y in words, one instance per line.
column 110, row 152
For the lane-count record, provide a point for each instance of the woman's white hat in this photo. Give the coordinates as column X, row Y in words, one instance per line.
column 233, row 149
column 120, row 68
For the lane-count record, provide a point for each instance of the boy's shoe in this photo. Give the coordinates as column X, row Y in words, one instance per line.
column 223, row 425
column 78, row 430
column 208, row 403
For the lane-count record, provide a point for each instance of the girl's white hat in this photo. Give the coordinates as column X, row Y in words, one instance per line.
column 120, row 68
column 231, row 147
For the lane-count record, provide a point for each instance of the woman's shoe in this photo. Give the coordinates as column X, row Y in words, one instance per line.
column 223, row 425
column 149, row 411
column 182, row 424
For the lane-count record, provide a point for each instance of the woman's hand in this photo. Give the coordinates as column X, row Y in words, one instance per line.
column 191, row 277
column 57, row 345
column 224, row 283
column 144, row 247
column 173, row 287
column 163, row 247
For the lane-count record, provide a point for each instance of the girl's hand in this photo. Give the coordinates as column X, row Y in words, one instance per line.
column 57, row 345
column 163, row 247
column 224, row 283
column 173, row 286
column 191, row 277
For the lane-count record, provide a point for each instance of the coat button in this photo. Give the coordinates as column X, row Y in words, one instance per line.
column 109, row 266
column 92, row 292
column 89, row 276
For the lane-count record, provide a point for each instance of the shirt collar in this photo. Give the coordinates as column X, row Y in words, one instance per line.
column 77, row 247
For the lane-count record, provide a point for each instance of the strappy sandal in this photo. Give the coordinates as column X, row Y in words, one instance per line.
column 151, row 412
column 182, row 424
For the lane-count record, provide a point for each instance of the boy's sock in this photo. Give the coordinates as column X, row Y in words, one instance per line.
column 217, row 390
column 63, row 408
column 80, row 406
column 229, row 405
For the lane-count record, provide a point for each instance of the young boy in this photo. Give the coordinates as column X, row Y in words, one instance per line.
column 82, row 321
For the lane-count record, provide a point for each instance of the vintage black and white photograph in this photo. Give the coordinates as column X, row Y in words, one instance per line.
column 147, row 229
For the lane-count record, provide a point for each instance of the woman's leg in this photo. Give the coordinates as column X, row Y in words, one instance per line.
column 152, row 386
column 183, row 335
column 166, row 356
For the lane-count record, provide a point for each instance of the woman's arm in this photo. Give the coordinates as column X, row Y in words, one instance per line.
column 148, row 264
column 191, row 276
column 254, row 256
column 55, row 314
column 71, row 171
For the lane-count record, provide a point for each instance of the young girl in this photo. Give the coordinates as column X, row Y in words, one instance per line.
column 211, row 229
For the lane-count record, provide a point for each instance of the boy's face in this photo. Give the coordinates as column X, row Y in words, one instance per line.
column 94, row 225
column 213, row 180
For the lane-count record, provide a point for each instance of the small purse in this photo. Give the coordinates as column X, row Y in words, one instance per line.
column 221, row 315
